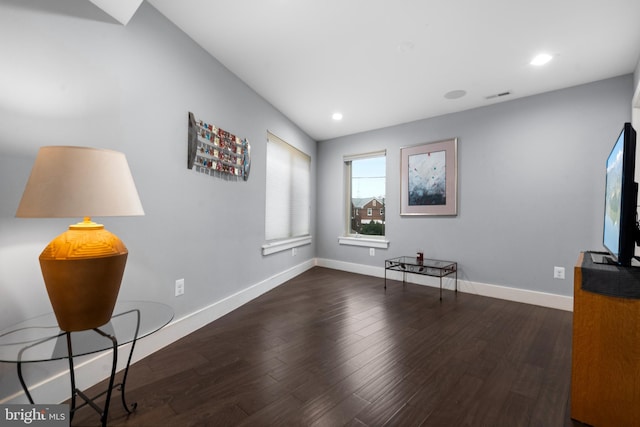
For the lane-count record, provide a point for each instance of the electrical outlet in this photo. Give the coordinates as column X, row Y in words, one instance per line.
column 294, row 251
column 179, row 287
column 372, row 251
column 558, row 272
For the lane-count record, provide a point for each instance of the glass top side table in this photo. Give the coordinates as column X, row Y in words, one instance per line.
column 424, row 267
column 39, row 340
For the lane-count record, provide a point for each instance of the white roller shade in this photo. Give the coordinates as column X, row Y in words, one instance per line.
column 287, row 193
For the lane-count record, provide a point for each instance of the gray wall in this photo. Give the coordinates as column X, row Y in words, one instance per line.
column 531, row 185
column 69, row 75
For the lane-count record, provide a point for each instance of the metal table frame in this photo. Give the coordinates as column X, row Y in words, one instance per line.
column 424, row 267
column 107, row 340
column 103, row 412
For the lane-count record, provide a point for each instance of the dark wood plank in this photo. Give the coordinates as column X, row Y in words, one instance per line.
column 331, row 348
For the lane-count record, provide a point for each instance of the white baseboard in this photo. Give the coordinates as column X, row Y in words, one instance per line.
column 92, row 370
column 543, row 299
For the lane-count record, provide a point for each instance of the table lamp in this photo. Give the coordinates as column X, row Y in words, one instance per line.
column 83, row 267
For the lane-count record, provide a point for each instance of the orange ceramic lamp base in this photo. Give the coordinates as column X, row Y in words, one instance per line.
column 82, row 270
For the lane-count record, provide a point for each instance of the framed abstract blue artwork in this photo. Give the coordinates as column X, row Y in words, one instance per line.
column 429, row 179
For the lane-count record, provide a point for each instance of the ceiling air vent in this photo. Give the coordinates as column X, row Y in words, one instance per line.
column 499, row 95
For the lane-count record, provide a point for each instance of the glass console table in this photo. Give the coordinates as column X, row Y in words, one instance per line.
column 424, row 267
column 40, row 340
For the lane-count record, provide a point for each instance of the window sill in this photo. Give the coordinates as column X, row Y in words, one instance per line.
column 369, row 242
column 283, row 245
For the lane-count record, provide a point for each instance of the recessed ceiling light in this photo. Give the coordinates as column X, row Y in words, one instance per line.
column 541, row 59
column 455, row 94
column 337, row 116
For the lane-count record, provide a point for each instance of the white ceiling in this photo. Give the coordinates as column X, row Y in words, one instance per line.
column 386, row 62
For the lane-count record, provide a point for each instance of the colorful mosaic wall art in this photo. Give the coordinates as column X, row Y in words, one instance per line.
column 216, row 152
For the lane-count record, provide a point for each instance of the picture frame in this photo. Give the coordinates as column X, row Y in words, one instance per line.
column 429, row 179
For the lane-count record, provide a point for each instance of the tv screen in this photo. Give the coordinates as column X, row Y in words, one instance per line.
column 621, row 196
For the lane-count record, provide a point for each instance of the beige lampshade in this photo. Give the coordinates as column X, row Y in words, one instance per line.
column 70, row 182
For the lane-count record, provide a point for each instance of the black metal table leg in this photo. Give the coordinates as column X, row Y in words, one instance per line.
column 72, row 377
column 385, row 275
column 456, row 276
column 105, row 412
column 19, row 365
column 23, row 384
column 123, row 384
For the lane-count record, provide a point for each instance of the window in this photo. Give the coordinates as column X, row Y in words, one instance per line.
column 288, row 200
column 366, row 177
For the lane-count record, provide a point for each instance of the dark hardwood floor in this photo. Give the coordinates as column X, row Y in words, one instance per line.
column 330, row 348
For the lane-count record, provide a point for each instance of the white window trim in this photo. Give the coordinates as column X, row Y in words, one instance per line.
column 368, row 241
column 351, row 157
column 380, row 242
column 285, row 244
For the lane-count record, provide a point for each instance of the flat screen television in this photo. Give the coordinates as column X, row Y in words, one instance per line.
column 621, row 199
